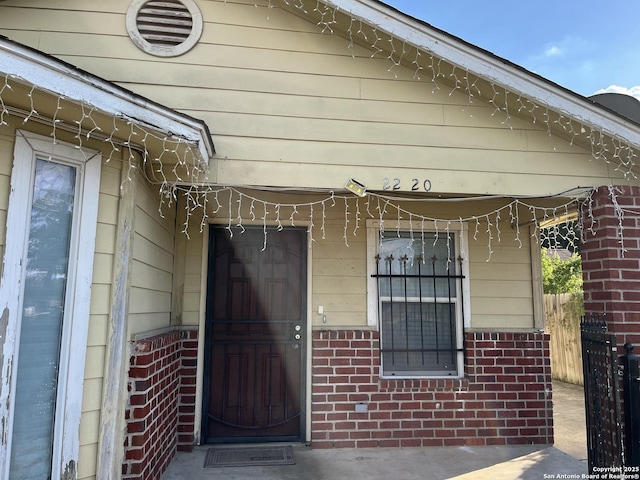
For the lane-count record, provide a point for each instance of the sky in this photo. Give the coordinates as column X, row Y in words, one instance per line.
column 586, row 46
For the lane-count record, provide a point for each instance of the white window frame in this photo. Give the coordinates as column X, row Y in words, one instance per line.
column 28, row 148
column 463, row 308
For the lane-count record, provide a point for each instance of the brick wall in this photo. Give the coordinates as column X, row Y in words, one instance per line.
column 504, row 398
column 161, row 409
column 187, row 391
column 611, row 277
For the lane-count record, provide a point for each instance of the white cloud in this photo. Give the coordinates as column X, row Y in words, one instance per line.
column 567, row 47
column 633, row 91
column 553, row 51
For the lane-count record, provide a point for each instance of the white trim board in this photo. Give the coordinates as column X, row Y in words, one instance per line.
column 47, row 73
column 88, row 163
column 488, row 66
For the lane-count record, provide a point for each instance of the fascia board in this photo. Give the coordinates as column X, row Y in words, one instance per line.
column 49, row 74
column 489, row 67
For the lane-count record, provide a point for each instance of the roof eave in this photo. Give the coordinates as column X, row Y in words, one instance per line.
column 51, row 74
column 489, row 66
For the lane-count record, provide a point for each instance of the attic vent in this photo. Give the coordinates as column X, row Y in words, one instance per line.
column 164, row 23
column 166, row 28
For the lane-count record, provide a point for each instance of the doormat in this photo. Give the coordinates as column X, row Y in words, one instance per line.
column 249, row 456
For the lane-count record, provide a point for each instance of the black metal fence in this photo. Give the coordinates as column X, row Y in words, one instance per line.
column 612, row 398
column 631, row 388
column 601, row 393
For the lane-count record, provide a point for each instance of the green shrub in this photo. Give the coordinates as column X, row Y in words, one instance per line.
column 561, row 276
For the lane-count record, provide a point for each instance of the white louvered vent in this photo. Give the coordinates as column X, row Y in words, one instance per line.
column 164, row 27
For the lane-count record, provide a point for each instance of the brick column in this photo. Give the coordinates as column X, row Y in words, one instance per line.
column 187, row 391
column 161, row 411
column 611, row 277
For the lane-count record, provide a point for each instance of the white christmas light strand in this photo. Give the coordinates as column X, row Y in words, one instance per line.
column 3, row 108
column 605, row 146
column 613, row 194
column 84, row 126
column 503, row 100
column 199, row 196
column 548, row 222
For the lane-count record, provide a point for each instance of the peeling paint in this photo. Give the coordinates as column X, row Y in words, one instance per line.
column 70, row 471
column 4, row 324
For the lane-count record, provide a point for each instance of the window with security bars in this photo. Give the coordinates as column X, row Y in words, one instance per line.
column 420, row 304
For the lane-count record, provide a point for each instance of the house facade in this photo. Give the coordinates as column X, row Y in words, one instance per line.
column 236, row 222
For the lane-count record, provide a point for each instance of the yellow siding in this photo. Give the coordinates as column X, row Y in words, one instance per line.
column 98, row 330
column 192, row 284
column 89, row 429
column 339, row 277
column 500, row 279
column 501, row 288
column 6, row 160
column 91, row 404
column 100, row 299
column 99, row 319
column 289, row 105
column 152, row 267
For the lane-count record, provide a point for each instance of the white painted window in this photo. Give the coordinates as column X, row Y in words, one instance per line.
column 418, row 297
column 45, row 296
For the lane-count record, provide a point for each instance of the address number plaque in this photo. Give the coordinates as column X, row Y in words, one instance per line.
column 415, row 185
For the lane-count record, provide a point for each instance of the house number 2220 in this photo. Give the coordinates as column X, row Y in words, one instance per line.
column 416, row 184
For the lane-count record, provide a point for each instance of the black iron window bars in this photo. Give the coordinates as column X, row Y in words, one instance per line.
column 420, row 311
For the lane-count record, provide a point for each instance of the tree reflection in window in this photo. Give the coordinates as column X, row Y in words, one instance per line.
column 42, row 322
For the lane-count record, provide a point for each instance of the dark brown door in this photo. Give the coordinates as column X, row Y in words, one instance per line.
column 256, row 327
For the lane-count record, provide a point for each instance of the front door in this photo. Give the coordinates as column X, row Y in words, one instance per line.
column 255, row 329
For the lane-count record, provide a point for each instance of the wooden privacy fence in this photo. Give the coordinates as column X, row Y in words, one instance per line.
column 562, row 319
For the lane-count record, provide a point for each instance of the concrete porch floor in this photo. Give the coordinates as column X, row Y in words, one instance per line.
column 531, row 462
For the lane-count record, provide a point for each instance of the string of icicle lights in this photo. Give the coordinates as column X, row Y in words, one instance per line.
column 241, row 207
column 441, row 74
column 177, row 166
column 80, row 121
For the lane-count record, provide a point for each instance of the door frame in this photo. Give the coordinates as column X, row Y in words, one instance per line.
column 305, row 402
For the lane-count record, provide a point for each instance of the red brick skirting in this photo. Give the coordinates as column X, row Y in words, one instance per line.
column 504, row 398
column 160, row 414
